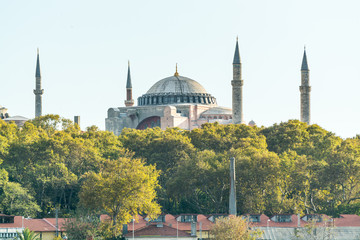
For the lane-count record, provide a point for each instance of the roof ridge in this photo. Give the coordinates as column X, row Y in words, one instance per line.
column 49, row 223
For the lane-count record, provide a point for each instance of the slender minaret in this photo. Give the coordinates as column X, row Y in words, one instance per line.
column 38, row 91
column 129, row 101
column 305, row 90
column 237, row 83
column 232, row 197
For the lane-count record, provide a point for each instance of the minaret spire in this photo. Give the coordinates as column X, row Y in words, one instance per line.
column 304, row 65
column 237, row 83
column 38, row 91
column 237, row 59
column 305, row 90
column 129, row 101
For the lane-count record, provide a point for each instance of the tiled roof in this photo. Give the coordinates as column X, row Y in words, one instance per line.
column 347, row 220
column 140, row 222
column 158, row 230
column 186, row 226
column 17, row 223
column 39, row 225
column 36, row 225
column 48, row 224
column 61, row 222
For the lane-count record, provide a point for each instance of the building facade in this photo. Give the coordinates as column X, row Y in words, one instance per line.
column 179, row 101
column 175, row 101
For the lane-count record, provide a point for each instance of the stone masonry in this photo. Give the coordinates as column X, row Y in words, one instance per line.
column 237, row 83
column 305, row 90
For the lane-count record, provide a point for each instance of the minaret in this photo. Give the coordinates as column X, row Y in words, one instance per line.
column 237, row 83
column 232, row 197
column 305, row 90
column 38, row 91
column 129, row 101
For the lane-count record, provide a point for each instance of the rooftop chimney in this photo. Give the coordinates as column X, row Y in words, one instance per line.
column 77, row 120
column 193, row 228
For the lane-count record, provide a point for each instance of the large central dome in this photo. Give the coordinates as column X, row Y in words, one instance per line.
column 176, row 90
column 176, row 85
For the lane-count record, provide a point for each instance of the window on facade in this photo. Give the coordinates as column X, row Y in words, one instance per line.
column 189, row 218
column 160, row 219
column 254, row 218
column 6, row 219
column 283, row 218
column 314, row 217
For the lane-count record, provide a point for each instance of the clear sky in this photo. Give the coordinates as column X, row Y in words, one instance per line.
column 85, row 45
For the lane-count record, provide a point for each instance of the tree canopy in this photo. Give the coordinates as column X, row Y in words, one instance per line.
column 290, row 167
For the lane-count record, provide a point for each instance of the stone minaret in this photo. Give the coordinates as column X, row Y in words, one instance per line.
column 232, row 197
column 305, row 90
column 237, row 83
column 129, row 101
column 38, row 91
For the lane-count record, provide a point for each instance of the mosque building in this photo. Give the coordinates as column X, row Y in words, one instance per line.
column 179, row 101
column 175, row 101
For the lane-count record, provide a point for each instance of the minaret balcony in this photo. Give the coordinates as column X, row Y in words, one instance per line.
column 38, row 91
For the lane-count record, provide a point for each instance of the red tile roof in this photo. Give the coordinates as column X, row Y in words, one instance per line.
column 48, row 224
column 156, row 230
column 61, row 222
column 17, row 223
column 140, row 222
column 347, row 220
column 186, row 226
column 37, row 225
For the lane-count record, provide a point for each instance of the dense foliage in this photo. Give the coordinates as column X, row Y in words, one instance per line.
column 289, row 167
column 234, row 228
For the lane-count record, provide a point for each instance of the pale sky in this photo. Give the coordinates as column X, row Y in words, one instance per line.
column 85, row 45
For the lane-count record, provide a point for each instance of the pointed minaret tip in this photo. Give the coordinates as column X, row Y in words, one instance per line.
column 237, row 53
column 304, row 65
column 128, row 82
column 176, row 74
column 37, row 73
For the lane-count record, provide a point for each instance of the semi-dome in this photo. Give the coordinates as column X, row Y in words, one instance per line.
column 176, row 89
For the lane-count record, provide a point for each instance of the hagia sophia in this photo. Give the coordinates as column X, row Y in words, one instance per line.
column 174, row 101
column 179, row 101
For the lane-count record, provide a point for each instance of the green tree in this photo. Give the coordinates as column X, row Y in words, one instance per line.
column 305, row 139
column 15, row 200
column 108, row 145
column 340, row 176
column 221, row 138
column 50, row 162
column 84, row 225
column 256, row 175
column 164, row 149
column 298, row 183
column 315, row 231
column 28, row 235
column 201, row 184
column 123, row 188
column 233, row 228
